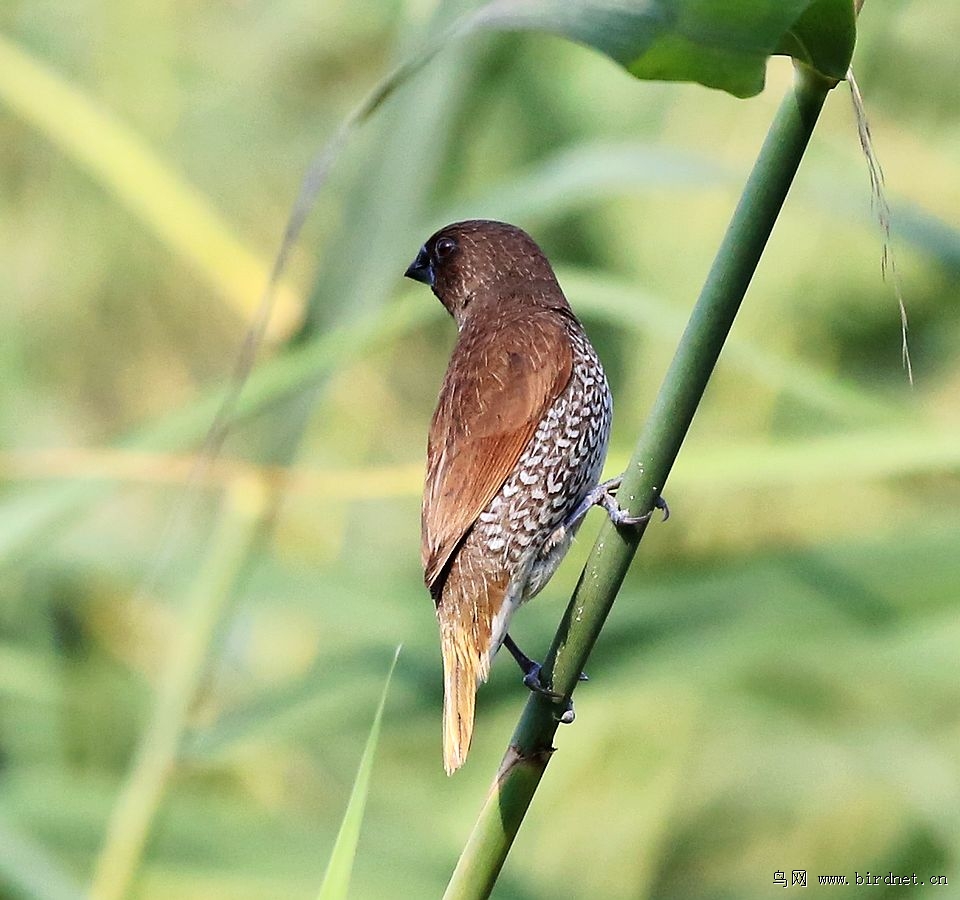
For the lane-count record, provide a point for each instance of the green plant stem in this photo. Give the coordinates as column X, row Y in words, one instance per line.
column 686, row 380
column 155, row 759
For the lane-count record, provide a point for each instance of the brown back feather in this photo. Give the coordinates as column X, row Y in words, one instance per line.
column 502, row 378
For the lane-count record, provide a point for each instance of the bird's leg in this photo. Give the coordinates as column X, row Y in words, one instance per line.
column 530, row 669
column 604, row 495
column 531, row 678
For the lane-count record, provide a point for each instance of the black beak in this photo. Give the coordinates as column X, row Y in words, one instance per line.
column 421, row 269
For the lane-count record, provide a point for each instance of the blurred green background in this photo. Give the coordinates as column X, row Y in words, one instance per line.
column 778, row 686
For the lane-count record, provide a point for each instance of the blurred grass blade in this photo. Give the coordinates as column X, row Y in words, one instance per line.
column 27, row 870
column 297, row 369
column 620, row 301
column 586, row 174
column 589, row 174
column 336, row 880
column 874, row 454
column 119, row 159
column 891, row 452
column 132, row 817
column 30, row 515
column 667, row 40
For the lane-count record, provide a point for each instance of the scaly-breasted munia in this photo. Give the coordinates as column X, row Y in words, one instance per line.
column 515, row 449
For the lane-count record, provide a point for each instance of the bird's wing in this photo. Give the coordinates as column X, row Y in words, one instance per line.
column 500, row 382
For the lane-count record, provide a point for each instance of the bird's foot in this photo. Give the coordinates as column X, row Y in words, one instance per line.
column 662, row 505
column 566, row 714
column 605, row 496
column 531, row 679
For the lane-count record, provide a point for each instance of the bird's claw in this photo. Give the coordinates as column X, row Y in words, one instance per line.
column 532, row 680
column 620, row 517
column 661, row 504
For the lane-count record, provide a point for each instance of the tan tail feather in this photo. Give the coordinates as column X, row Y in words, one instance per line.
column 463, row 668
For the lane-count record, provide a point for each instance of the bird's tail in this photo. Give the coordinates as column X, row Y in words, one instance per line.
column 465, row 665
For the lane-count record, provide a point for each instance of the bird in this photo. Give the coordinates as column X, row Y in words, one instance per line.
column 514, row 454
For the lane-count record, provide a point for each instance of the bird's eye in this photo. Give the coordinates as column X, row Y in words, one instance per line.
column 444, row 248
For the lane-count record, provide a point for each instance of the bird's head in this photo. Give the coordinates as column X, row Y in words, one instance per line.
column 478, row 259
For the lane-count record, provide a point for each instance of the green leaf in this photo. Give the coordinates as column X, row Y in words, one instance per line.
column 722, row 44
column 823, row 37
column 336, row 880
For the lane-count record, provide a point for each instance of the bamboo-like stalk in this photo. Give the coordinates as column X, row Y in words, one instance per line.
column 532, row 743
